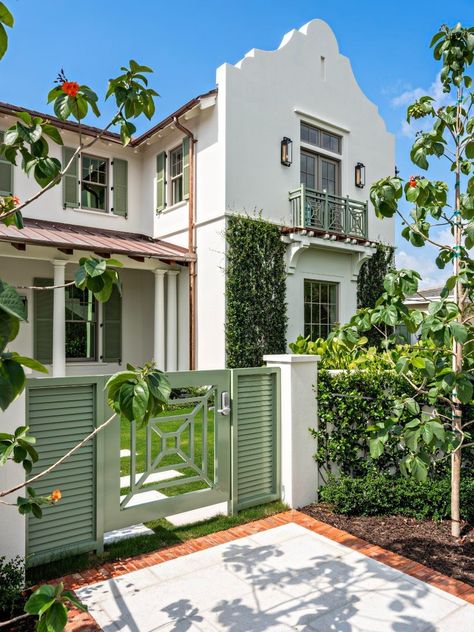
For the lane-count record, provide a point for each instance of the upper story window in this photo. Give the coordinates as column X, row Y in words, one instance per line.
column 94, row 182
column 320, row 138
column 320, row 173
column 176, row 174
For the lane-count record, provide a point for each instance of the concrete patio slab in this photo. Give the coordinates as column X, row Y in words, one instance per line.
column 284, row 578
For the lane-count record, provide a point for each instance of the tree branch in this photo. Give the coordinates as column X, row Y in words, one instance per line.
column 59, row 461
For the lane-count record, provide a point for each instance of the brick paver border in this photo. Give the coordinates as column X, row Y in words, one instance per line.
column 83, row 622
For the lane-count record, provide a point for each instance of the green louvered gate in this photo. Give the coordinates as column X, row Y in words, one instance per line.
column 256, row 437
column 175, row 472
column 61, row 412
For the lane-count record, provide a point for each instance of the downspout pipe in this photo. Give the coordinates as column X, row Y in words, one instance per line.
column 191, row 245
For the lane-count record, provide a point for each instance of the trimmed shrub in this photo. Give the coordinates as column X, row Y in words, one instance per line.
column 382, row 494
column 12, row 574
column 255, row 291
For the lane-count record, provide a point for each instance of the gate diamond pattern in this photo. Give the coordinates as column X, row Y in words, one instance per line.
column 180, row 443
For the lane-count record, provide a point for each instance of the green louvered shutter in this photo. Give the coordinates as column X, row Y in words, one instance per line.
column 112, row 328
column 71, row 179
column 120, row 174
column 186, row 168
column 43, row 322
column 160, row 182
column 256, row 447
column 59, row 417
column 6, row 173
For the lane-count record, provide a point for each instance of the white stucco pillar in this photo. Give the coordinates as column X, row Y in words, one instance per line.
column 172, row 321
column 59, row 320
column 13, row 524
column 159, row 320
column 299, row 472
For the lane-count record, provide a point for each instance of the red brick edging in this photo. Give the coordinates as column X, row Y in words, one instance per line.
column 83, row 622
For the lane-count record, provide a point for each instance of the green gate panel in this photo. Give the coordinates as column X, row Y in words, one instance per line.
column 256, row 441
column 60, row 417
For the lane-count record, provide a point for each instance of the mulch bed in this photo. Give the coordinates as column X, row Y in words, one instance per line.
column 424, row 541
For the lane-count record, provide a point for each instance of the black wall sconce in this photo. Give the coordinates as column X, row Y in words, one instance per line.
column 286, row 156
column 360, row 175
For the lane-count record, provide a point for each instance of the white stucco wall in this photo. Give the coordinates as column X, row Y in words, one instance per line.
column 268, row 93
column 12, row 524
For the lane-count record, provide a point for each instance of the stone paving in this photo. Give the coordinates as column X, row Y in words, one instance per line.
column 287, row 572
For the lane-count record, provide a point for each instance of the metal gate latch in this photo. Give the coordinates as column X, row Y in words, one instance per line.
column 225, row 404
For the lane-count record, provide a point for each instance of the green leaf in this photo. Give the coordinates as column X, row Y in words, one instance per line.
column 30, row 363
column 459, row 331
column 10, row 301
column 464, row 390
column 419, row 469
column 470, row 150
column 376, row 446
column 3, row 41
column 5, row 16
column 39, row 598
column 56, row 617
column 95, row 267
column 141, row 395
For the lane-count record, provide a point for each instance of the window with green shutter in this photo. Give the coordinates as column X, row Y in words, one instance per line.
column 6, row 173
column 120, row 175
column 112, row 328
column 70, row 179
column 81, row 324
column 186, row 168
column 43, row 321
column 161, row 182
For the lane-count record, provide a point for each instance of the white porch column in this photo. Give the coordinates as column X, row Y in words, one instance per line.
column 159, row 320
column 299, row 472
column 59, row 320
column 172, row 321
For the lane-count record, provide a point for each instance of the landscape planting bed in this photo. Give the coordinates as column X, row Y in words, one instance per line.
column 424, row 541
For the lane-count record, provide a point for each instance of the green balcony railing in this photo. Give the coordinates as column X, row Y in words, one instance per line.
column 326, row 212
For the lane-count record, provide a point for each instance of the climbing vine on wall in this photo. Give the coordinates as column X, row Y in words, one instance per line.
column 370, row 283
column 256, row 314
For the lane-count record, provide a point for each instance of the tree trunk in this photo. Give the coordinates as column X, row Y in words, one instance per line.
column 457, row 348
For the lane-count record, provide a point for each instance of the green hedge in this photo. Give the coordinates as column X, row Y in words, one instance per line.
column 349, row 402
column 255, row 291
column 381, row 494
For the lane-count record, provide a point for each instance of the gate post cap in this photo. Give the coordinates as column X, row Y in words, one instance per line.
column 291, row 358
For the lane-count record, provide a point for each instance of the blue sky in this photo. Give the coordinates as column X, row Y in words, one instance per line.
column 387, row 43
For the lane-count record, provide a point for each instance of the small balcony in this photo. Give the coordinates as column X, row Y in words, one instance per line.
column 322, row 211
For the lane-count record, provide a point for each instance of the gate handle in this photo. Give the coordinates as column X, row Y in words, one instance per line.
column 225, row 403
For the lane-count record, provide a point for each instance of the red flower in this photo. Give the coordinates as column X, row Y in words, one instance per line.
column 71, row 88
column 15, row 200
column 413, row 183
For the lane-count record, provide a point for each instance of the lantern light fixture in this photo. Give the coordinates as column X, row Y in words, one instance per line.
column 286, row 155
column 360, row 175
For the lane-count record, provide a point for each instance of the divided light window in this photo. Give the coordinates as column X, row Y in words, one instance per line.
column 320, row 308
column 176, row 174
column 81, row 324
column 320, row 173
column 94, row 182
column 320, row 138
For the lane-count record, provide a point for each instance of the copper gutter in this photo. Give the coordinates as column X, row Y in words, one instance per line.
column 191, row 246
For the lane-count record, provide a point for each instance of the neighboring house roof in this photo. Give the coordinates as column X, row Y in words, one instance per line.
column 425, row 296
column 42, row 233
column 8, row 108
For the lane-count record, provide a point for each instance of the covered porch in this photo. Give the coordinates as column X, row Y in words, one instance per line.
column 73, row 334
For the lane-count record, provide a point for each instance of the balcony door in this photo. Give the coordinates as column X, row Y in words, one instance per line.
column 320, row 173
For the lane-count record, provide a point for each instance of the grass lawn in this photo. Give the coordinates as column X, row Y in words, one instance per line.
column 186, row 444
column 165, row 534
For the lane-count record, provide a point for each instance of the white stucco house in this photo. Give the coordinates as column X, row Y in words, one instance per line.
column 286, row 132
